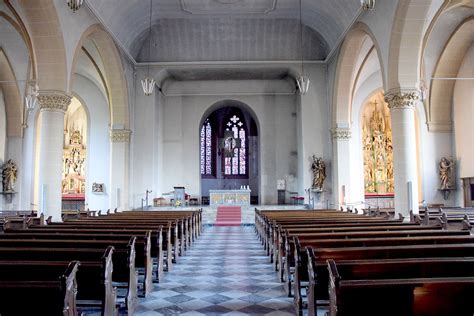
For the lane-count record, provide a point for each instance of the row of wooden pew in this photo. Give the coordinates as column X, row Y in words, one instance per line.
column 354, row 264
column 458, row 217
column 93, row 263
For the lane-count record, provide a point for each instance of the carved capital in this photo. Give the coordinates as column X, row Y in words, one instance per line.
column 53, row 101
column 402, row 99
column 341, row 133
column 120, row 135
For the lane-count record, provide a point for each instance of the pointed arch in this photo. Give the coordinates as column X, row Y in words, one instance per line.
column 346, row 73
column 48, row 43
column 114, row 76
column 440, row 105
column 20, row 26
column 11, row 95
column 406, row 43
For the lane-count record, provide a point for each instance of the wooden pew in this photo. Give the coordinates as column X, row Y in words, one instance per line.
column 318, row 274
column 38, row 288
column 160, row 237
column 143, row 258
column 124, row 257
column 284, row 228
column 170, row 232
column 94, row 278
column 286, row 237
column 435, row 286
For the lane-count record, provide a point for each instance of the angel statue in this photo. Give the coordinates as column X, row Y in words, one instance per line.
column 445, row 166
column 319, row 173
column 9, row 174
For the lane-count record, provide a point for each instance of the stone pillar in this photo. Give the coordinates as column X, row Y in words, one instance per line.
column 402, row 111
column 342, row 165
column 53, row 106
column 119, row 166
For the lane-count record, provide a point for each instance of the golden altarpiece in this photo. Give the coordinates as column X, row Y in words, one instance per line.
column 74, row 156
column 377, row 148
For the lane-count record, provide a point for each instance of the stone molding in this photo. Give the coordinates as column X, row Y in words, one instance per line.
column 54, row 101
column 120, row 135
column 402, row 99
column 341, row 133
column 440, row 127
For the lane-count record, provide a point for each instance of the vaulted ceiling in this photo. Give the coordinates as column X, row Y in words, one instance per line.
column 230, row 30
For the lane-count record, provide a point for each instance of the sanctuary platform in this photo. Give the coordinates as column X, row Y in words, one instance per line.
column 209, row 213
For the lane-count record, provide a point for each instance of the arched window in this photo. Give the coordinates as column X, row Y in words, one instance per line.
column 235, row 157
column 207, row 161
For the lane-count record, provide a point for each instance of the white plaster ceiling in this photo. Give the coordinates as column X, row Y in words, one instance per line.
column 182, row 28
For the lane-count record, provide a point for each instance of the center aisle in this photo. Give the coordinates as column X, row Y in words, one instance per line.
column 225, row 272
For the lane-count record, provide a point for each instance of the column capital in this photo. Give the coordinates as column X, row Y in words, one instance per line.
column 120, row 135
column 341, row 133
column 402, row 98
column 51, row 100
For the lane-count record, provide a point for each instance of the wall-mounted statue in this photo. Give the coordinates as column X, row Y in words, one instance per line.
column 445, row 170
column 9, row 174
column 319, row 173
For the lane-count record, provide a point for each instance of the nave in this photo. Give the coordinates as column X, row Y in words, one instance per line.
column 231, row 277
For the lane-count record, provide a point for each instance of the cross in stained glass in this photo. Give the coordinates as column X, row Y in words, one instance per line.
column 229, row 124
column 240, row 124
column 234, row 119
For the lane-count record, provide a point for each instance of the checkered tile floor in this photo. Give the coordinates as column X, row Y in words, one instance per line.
column 225, row 272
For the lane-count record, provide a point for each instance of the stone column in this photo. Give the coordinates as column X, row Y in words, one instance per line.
column 342, row 164
column 53, row 106
column 119, row 166
column 402, row 111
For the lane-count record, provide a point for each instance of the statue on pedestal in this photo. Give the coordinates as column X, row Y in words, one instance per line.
column 319, row 173
column 445, row 166
column 9, row 174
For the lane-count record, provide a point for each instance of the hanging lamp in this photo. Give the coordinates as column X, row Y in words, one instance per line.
column 74, row 4
column 148, row 83
column 302, row 81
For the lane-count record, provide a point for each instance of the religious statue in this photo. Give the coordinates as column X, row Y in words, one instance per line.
column 319, row 173
column 445, row 166
column 9, row 174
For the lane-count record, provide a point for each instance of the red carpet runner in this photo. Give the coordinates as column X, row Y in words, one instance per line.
column 228, row 216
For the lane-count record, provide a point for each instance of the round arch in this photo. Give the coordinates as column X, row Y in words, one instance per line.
column 230, row 102
column 245, row 109
column 114, row 76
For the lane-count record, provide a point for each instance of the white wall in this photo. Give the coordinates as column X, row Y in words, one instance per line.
column 314, row 137
column 463, row 114
column 166, row 132
column 98, row 144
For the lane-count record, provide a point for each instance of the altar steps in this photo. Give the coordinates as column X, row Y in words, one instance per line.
column 228, row 216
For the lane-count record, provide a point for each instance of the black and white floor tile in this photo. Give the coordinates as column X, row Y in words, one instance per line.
column 225, row 272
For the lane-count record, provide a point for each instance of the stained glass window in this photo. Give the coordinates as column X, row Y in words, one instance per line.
column 206, row 149
column 236, row 164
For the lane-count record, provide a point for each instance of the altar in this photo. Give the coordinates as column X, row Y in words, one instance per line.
column 229, row 197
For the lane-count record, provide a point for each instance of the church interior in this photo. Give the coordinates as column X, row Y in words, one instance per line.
column 237, row 157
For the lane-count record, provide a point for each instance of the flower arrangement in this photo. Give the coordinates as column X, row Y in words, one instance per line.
column 177, row 203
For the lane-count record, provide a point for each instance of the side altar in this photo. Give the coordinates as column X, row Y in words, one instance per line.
column 229, row 197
